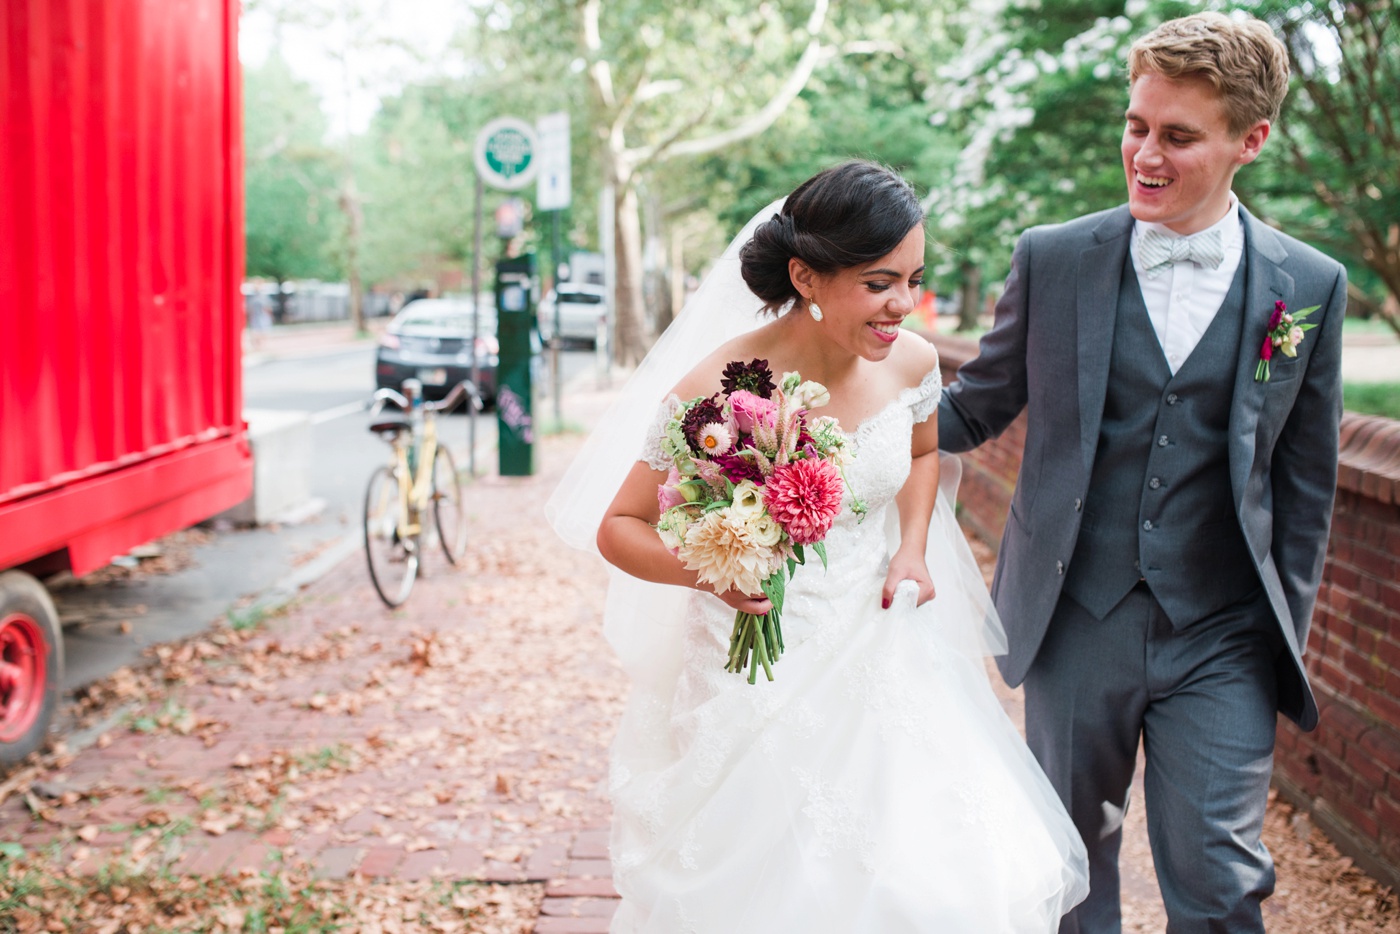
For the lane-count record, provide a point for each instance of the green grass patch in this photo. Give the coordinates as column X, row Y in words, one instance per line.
column 1372, row 399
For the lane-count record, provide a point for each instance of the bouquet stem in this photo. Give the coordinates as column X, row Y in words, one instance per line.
column 758, row 636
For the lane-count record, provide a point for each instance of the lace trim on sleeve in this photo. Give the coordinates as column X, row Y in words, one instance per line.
column 652, row 452
column 923, row 398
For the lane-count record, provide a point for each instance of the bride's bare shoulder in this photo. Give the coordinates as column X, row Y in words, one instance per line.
column 914, row 356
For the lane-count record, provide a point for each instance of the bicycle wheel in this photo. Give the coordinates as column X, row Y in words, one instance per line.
column 393, row 561
column 448, row 513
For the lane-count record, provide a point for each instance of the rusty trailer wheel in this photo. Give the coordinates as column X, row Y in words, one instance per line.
column 31, row 665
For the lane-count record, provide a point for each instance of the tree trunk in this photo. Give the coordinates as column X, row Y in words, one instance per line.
column 631, row 331
column 971, row 296
column 354, row 223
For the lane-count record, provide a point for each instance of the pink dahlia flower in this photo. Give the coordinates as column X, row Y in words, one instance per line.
column 804, row 497
column 750, row 409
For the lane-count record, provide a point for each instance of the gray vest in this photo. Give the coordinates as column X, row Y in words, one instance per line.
column 1159, row 506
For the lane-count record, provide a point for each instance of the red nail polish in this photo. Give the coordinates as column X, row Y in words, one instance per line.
column 884, row 603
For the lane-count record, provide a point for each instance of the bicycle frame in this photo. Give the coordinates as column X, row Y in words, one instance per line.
column 415, row 481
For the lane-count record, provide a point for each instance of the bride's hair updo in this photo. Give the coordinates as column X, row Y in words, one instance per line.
column 845, row 216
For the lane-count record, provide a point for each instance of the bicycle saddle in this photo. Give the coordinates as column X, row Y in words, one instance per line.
column 388, row 425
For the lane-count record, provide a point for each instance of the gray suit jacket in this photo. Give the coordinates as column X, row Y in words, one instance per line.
column 1048, row 353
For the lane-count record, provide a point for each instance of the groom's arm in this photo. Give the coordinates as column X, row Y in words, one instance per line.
column 991, row 390
column 1304, row 468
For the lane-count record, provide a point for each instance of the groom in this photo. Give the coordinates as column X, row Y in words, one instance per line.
column 1167, row 532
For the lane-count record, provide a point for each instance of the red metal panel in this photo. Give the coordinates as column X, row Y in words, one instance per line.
column 107, row 515
column 120, row 242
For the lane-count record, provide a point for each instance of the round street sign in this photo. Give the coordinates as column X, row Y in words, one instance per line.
column 507, row 153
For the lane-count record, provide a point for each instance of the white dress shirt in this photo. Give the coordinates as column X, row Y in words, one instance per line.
column 1183, row 301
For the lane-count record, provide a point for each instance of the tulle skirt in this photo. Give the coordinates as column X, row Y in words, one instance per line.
column 876, row 785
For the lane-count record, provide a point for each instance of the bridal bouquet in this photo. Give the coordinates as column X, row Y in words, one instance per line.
column 756, row 481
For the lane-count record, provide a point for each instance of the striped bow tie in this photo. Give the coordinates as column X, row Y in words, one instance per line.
column 1158, row 251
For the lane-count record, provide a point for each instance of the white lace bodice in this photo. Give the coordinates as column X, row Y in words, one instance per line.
column 880, row 464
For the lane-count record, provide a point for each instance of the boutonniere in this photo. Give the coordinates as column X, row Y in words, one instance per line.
column 1284, row 335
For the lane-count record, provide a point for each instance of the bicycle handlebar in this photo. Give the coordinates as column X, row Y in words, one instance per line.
column 463, row 389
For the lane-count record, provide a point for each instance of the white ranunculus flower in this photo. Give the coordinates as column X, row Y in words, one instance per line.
column 669, row 538
column 810, row 395
column 747, row 501
column 764, row 530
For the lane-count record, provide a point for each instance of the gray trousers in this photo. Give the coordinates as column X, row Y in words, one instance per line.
column 1203, row 701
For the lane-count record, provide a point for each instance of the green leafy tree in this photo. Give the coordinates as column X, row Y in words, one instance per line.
column 289, row 184
column 1037, row 93
column 1336, row 160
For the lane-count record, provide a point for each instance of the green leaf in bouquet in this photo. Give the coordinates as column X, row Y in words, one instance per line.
column 820, row 549
column 775, row 589
column 801, row 556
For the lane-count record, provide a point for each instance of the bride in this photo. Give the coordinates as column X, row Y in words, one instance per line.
column 875, row 785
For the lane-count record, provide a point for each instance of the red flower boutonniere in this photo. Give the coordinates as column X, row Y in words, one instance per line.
column 1284, row 335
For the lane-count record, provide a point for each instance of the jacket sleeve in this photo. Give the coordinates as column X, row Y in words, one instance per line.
column 991, row 390
column 1303, row 471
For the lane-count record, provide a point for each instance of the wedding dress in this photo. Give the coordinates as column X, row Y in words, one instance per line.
column 875, row 786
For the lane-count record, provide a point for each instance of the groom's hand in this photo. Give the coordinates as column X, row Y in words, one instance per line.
column 907, row 568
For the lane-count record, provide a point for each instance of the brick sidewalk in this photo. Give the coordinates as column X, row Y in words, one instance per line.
column 461, row 737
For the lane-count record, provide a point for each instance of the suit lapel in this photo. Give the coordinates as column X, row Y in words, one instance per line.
column 1266, row 282
column 1100, row 278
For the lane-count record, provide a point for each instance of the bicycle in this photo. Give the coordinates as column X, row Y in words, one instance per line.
column 420, row 478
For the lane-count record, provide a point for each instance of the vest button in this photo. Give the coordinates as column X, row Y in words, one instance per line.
column 1147, row 525
column 1059, row 567
column 1078, row 504
column 1162, row 441
column 1155, row 483
column 1172, row 398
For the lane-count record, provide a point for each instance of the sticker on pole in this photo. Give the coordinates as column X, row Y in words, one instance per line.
column 507, row 153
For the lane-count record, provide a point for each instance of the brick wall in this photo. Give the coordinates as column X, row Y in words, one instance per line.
column 1346, row 773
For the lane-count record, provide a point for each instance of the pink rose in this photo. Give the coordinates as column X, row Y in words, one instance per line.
column 750, row 409
column 804, row 497
column 668, row 494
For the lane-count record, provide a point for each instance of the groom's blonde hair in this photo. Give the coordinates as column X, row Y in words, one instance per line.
column 1242, row 59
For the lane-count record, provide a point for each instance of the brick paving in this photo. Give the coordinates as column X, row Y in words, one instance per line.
column 461, row 737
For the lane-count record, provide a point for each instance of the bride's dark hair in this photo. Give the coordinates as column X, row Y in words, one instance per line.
column 844, row 216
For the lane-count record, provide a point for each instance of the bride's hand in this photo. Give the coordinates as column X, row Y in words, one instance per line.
column 907, row 568
column 742, row 602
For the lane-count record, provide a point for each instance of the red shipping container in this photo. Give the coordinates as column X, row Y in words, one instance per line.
column 121, row 257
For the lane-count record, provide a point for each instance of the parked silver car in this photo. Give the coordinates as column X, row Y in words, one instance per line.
column 583, row 312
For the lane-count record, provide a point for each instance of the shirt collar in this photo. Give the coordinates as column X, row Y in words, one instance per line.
column 1229, row 226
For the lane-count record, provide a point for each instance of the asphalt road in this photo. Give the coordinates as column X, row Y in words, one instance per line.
column 111, row 617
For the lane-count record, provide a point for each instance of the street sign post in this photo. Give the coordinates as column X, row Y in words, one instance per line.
column 507, row 153
column 507, row 157
column 554, row 193
column 555, row 190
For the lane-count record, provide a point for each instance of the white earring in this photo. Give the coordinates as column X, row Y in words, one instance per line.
column 815, row 310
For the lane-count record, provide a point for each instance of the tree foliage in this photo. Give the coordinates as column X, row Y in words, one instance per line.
column 1037, row 94
column 289, row 184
